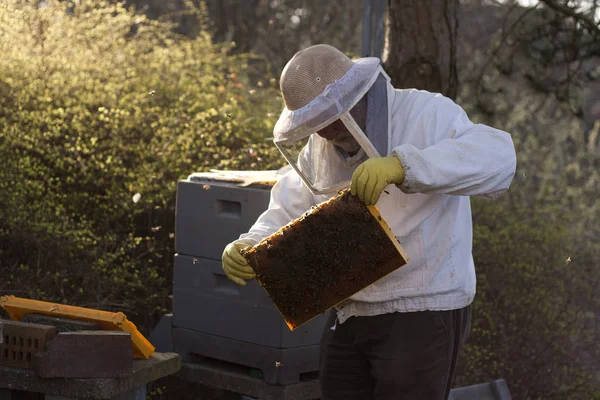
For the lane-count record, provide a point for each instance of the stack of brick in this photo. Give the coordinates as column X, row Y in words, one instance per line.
column 20, row 341
column 65, row 348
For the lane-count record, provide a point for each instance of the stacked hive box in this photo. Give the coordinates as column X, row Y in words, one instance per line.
column 212, row 316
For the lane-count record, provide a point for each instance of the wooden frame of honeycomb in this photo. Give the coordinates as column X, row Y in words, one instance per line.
column 325, row 256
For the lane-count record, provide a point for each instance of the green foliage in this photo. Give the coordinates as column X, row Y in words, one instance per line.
column 537, row 248
column 536, row 251
column 531, row 324
column 98, row 104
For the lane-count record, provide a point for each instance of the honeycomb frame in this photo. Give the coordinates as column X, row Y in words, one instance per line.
column 305, row 275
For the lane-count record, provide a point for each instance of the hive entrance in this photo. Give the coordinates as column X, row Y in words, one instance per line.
column 320, row 259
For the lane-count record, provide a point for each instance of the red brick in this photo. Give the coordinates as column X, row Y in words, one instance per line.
column 87, row 354
column 19, row 342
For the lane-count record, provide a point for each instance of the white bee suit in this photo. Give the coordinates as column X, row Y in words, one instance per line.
column 446, row 158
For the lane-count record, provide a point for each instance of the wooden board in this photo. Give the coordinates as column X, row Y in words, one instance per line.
column 242, row 178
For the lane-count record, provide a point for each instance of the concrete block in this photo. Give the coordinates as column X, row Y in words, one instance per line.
column 19, row 341
column 62, row 324
column 144, row 371
column 495, row 390
column 87, row 354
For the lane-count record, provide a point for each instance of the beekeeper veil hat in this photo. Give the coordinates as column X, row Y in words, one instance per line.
column 320, row 85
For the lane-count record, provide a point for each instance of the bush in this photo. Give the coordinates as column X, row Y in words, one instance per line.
column 98, row 104
column 533, row 324
column 536, row 252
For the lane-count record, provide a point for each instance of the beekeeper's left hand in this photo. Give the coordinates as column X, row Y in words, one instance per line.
column 372, row 176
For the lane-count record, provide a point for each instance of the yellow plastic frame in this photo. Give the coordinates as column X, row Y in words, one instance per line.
column 17, row 307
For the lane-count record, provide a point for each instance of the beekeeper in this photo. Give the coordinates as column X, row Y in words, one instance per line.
column 345, row 126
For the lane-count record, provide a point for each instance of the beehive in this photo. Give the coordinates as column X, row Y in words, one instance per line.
column 328, row 254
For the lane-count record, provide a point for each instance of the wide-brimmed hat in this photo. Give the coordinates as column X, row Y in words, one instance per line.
column 318, row 85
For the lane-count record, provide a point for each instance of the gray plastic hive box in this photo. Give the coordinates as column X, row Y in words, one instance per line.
column 213, row 317
column 205, row 300
column 209, row 215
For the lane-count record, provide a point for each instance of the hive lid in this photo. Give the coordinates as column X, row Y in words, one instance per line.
column 17, row 307
column 240, row 178
column 322, row 258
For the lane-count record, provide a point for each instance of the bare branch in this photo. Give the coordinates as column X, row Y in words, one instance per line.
column 572, row 13
column 505, row 34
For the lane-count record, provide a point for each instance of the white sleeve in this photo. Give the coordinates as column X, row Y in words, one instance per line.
column 462, row 158
column 290, row 198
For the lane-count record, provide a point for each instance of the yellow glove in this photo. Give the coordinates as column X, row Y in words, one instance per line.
column 372, row 176
column 235, row 265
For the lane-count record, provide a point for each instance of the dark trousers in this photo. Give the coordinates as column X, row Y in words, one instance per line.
column 400, row 356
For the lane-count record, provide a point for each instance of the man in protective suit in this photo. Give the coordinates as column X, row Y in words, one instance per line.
column 344, row 125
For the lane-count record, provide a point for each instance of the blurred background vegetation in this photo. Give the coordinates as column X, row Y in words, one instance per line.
column 105, row 105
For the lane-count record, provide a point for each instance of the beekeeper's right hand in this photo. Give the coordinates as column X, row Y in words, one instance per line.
column 235, row 265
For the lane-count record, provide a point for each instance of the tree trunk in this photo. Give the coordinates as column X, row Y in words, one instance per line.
column 234, row 21
column 420, row 45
